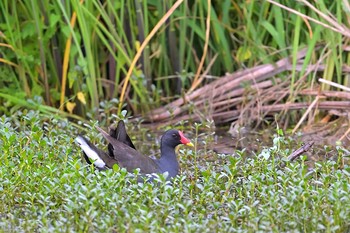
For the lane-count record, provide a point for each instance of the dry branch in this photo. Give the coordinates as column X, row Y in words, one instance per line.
column 251, row 94
column 300, row 151
column 222, row 86
column 304, row 148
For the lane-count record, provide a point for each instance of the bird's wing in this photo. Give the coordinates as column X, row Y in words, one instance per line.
column 128, row 157
column 122, row 135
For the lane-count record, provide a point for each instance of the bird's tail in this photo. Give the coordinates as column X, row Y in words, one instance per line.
column 91, row 153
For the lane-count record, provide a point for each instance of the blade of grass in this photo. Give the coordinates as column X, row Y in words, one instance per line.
column 86, row 30
column 279, row 22
column 197, row 79
column 296, row 48
column 142, row 47
column 12, row 23
column 40, row 107
column 219, row 36
column 43, row 72
column 66, row 60
column 334, row 26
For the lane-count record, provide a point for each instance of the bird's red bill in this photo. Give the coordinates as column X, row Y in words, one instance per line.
column 183, row 139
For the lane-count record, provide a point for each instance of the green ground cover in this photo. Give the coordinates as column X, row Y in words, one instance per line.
column 46, row 187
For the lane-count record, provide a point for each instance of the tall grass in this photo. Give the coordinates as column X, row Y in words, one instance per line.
column 58, row 49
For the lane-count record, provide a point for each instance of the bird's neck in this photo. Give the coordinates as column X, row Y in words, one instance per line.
column 168, row 161
column 167, row 152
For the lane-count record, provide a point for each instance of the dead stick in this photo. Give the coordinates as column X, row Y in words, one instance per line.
column 312, row 105
column 300, row 151
column 297, row 153
column 344, row 135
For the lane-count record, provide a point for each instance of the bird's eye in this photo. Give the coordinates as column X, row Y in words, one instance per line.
column 174, row 135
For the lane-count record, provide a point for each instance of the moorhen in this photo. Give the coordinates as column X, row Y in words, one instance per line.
column 127, row 157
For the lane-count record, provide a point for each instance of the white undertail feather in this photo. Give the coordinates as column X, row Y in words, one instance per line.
column 98, row 162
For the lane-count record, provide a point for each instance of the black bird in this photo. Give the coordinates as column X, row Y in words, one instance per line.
column 127, row 157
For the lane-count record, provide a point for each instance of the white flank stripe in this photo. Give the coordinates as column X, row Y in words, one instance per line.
column 98, row 162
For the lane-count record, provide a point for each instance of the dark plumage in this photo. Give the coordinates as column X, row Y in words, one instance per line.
column 121, row 135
